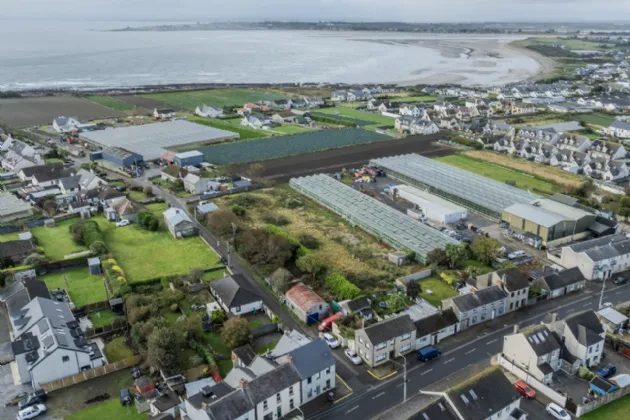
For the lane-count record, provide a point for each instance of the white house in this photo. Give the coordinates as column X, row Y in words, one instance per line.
column 89, row 180
column 583, row 335
column 66, row 124
column 234, row 294
column 163, row 113
column 195, row 184
column 209, row 111
column 536, row 350
column 179, row 223
column 339, row 96
column 598, row 258
column 619, row 129
column 475, row 308
column 423, row 127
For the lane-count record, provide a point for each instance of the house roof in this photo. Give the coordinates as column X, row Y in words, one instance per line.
column 620, row 125
column 108, row 193
column 482, row 297
column 541, row 340
column 16, row 248
column 126, row 207
column 312, row 358
column 434, row 323
column 612, row 316
column 189, row 154
column 564, row 278
column 286, row 114
column 389, row 328
column 10, row 204
column 484, row 397
column 234, row 291
column 52, row 175
column 436, row 411
column 49, row 167
column 513, row 278
column 358, row 304
column 231, row 407
column 303, row 297
column 586, row 327
column 70, row 182
column 175, row 216
column 272, row 382
column 245, row 353
column 289, row 341
column 166, row 401
column 603, row 248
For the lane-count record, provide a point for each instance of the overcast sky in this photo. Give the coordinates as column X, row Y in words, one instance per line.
column 313, row 10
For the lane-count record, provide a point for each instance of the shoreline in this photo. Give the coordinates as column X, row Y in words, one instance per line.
column 546, row 64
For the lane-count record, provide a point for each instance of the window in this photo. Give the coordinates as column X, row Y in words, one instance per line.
column 319, row 375
column 328, row 371
column 237, row 309
column 65, row 359
column 405, row 348
column 310, row 393
column 380, row 346
column 265, row 405
column 327, row 383
column 405, row 336
column 512, row 294
column 278, row 399
column 291, row 404
column 381, row 357
column 291, row 392
column 309, row 380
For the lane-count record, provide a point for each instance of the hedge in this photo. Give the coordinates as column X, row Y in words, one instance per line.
column 300, row 251
column 341, row 287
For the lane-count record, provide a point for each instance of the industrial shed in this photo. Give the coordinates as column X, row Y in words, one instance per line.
column 433, row 207
column 121, row 157
column 475, row 192
column 392, row 226
column 152, row 140
column 193, row 157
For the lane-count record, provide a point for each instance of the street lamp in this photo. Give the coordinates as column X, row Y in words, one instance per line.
column 601, row 295
column 404, row 365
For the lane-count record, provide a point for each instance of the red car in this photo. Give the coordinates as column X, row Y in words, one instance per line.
column 525, row 390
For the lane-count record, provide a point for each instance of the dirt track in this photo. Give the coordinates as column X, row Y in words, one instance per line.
column 349, row 157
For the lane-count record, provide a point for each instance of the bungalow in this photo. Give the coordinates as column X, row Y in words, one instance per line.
column 179, row 224
column 559, row 284
column 108, row 195
column 358, row 95
column 612, row 320
column 204, row 208
column 582, row 334
column 306, row 304
column 89, row 180
column 281, row 104
column 339, row 96
column 314, row 102
column 475, row 308
column 256, row 121
column 70, row 124
column 374, row 104
column 619, row 129
column 209, row 111
column 163, row 113
column 284, row 117
column 12, row 208
column 386, row 340
column 79, row 207
column 298, row 103
column 234, row 294
column 123, row 209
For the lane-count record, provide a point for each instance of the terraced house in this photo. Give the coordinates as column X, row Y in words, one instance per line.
column 386, row 340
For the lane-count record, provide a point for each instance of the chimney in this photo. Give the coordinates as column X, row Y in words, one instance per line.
column 554, row 317
column 290, row 359
column 244, row 384
column 515, row 328
column 204, row 405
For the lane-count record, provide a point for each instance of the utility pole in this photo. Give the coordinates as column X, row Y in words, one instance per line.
column 601, row 295
column 404, row 365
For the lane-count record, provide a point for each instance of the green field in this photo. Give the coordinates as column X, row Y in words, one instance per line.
column 54, row 160
column 9, row 237
column 102, row 318
column 157, row 208
column 109, row 102
column 137, row 195
column 84, row 288
column 413, row 99
column 216, row 97
column 439, row 290
column 110, row 409
column 57, row 241
column 571, row 44
column 597, row 119
column 146, row 255
column 359, row 115
column 231, row 125
column 292, row 129
column 498, row 173
column 616, row 410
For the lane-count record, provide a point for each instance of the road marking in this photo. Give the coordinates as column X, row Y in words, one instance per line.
column 377, row 395
column 470, row 351
column 449, row 360
column 618, row 293
column 570, row 310
column 352, row 409
column 426, row 371
column 492, row 341
column 587, row 304
column 398, row 386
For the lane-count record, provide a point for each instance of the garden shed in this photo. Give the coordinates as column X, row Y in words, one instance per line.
column 94, row 265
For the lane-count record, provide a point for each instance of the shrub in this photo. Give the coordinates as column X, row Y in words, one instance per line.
column 139, row 314
column 117, row 269
column 310, row 241
column 121, row 279
column 174, row 307
column 88, row 233
column 238, row 210
column 275, row 219
column 341, row 287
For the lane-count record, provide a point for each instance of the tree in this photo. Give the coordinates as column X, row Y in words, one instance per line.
column 236, row 332
column 437, row 257
column 192, row 327
column 280, row 280
column 148, row 190
column 456, row 254
column 312, row 264
column 195, row 274
column 163, row 350
column 221, row 221
column 34, row 260
column 261, row 248
column 413, row 289
column 218, row 316
column 50, row 207
column 485, row 250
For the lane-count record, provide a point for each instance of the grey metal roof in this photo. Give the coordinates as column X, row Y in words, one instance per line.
column 564, row 278
column 10, row 204
column 620, row 124
column 604, row 248
column 474, row 188
column 394, row 227
column 389, row 329
column 312, row 358
column 175, row 216
column 597, row 242
column 234, row 290
column 70, row 182
column 535, row 214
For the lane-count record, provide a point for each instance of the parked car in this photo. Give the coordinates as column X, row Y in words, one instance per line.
column 516, row 254
column 558, row 412
column 331, row 341
column 31, row 412
column 37, row 397
column 122, row 223
column 525, row 390
column 354, row 358
column 620, row 280
column 428, row 353
column 606, row 371
column 125, row 396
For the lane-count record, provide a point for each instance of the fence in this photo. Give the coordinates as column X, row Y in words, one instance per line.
column 585, row 408
column 414, row 276
column 93, row 307
column 90, row 374
column 117, row 325
column 533, row 382
column 264, row 330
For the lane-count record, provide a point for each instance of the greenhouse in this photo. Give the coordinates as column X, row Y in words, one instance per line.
column 387, row 224
column 475, row 192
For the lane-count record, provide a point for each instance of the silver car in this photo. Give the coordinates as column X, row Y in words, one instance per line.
column 354, row 358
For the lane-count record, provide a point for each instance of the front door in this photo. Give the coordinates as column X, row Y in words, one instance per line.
column 318, row 390
column 279, row 412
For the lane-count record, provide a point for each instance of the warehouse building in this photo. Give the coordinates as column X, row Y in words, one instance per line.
column 475, row 192
column 121, row 157
column 153, row 140
column 389, row 225
column 192, row 158
column 553, row 222
column 432, row 206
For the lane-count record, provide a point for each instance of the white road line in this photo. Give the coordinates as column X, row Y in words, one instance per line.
column 449, row 360
column 470, row 351
column 618, row 293
column 492, row 341
column 426, row 371
column 352, row 409
column 378, row 395
column 397, row 386
column 570, row 310
column 587, row 304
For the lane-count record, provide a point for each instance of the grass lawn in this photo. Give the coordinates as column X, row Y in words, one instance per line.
column 157, row 208
column 171, row 317
column 255, row 324
column 597, row 119
column 116, row 350
column 110, row 409
column 352, row 105
column 102, row 318
column 116, row 183
column 440, row 290
column 137, row 195
column 269, row 346
column 109, row 102
column 498, row 173
column 571, row 44
column 146, row 255
column 231, row 125
column 616, row 410
column 57, row 241
column 359, row 115
column 54, row 160
column 84, row 288
column 214, row 340
column 481, row 267
column 9, row 237
column 413, row 99
column 215, row 97
column 292, row 129
column 213, row 275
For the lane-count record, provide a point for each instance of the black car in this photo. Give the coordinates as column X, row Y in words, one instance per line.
column 37, row 397
column 620, row 280
column 125, row 396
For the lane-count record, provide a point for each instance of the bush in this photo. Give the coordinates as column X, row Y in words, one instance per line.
column 238, row 210
column 174, row 307
column 88, row 233
column 139, row 314
column 328, row 120
column 148, row 221
column 341, row 287
column 275, row 219
column 310, row 242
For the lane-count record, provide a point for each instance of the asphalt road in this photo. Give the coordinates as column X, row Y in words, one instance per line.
column 374, row 399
